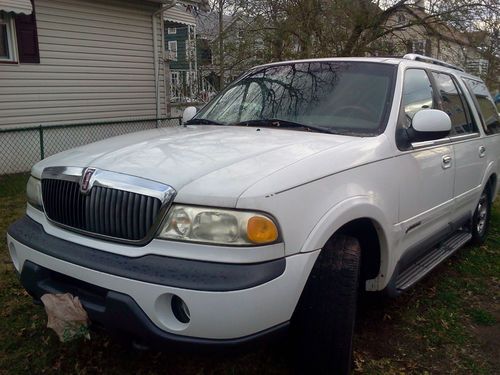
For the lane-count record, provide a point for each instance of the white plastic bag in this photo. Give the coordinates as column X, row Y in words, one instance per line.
column 66, row 316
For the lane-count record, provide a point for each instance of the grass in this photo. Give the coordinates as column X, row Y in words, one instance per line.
column 482, row 317
column 449, row 323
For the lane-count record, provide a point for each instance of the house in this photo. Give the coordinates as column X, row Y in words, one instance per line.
column 180, row 43
column 208, row 32
column 78, row 63
column 488, row 66
column 416, row 31
column 188, row 34
column 74, row 61
column 243, row 46
column 192, row 44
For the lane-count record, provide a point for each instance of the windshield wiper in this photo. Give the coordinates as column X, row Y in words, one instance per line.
column 281, row 124
column 202, row 121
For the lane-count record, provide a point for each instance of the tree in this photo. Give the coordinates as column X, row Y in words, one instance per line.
column 481, row 24
column 222, row 8
column 322, row 28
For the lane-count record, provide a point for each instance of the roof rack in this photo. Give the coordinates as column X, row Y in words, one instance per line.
column 430, row 60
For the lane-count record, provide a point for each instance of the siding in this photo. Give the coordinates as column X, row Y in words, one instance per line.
column 96, row 64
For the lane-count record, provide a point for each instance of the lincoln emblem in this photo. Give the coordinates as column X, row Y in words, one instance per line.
column 85, row 185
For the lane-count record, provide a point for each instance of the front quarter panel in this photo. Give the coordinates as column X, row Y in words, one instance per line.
column 310, row 213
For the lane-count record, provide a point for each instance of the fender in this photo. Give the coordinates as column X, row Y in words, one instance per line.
column 489, row 171
column 357, row 207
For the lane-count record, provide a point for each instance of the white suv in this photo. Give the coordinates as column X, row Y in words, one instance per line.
column 298, row 186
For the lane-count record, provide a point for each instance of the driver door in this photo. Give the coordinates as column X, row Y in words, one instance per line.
column 426, row 175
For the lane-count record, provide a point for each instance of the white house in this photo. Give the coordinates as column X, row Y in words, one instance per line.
column 77, row 62
column 74, row 61
column 416, row 31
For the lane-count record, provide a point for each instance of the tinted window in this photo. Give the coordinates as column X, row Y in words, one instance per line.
column 343, row 97
column 453, row 103
column 417, row 94
column 485, row 106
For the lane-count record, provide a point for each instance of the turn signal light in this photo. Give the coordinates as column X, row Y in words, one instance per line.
column 261, row 230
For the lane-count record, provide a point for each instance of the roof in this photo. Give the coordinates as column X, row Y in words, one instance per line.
column 208, row 24
column 16, row 6
column 232, row 20
column 383, row 60
column 180, row 14
column 386, row 60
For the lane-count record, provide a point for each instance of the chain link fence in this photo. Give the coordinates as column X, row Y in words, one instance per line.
column 20, row 148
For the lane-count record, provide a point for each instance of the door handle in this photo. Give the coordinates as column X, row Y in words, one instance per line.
column 446, row 163
column 482, row 151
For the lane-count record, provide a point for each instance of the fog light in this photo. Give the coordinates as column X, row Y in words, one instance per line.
column 180, row 310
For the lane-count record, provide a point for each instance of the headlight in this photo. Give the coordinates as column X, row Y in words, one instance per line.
column 34, row 193
column 221, row 226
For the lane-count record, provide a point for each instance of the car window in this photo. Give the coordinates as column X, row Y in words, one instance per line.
column 484, row 105
column 417, row 94
column 228, row 107
column 452, row 102
column 342, row 97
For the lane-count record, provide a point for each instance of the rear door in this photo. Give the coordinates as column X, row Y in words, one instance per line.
column 468, row 146
column 489, row 120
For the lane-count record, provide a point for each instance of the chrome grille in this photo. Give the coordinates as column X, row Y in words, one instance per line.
column 104, row 211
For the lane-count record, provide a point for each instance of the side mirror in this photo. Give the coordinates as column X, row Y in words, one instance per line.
column 188, row 114
column 428, row 125
column 431, row 121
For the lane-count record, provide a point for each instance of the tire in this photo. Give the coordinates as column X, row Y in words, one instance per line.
column 480, row 223
column 323, row 323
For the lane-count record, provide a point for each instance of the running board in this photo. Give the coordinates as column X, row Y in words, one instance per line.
column 428, row 262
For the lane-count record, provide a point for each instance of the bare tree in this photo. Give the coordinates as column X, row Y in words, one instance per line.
column 481, row 24
column 222, row 8
column 348, row 27
column 321, row 28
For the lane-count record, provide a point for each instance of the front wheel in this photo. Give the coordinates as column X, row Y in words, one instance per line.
column 323, row 322
column 481, row 219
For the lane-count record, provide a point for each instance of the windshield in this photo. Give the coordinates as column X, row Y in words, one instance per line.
column 341, row 97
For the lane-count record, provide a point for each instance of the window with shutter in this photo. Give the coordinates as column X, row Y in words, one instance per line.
column 27, row 37
column 7, row 39
column 172, row 47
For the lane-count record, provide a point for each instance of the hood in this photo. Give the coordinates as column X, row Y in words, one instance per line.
column 229, row 159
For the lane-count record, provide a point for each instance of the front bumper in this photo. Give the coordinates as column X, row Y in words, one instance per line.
column 119, row 314
column 229, row 303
